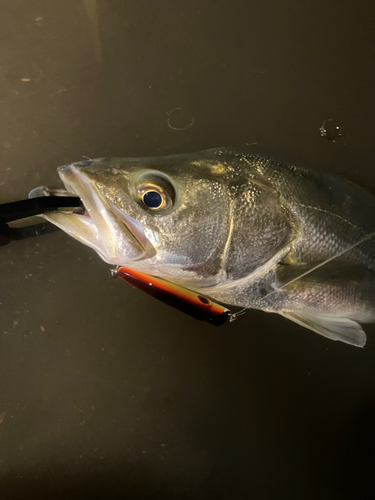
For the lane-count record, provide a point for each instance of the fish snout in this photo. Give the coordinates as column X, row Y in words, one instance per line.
column 66, row 169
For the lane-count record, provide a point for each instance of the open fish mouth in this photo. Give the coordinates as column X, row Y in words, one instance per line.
column 102, row 226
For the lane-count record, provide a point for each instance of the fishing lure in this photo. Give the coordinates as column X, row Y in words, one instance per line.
column 183, row 299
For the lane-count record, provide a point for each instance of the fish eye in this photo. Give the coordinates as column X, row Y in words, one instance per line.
column 155, row 196
column 152, row 199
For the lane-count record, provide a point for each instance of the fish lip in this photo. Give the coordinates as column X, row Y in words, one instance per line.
column 135, row 228
column 64, row 172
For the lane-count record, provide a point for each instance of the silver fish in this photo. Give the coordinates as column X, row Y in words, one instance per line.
column 243, row 229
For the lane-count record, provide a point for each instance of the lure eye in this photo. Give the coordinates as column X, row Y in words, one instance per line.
column 152, row 199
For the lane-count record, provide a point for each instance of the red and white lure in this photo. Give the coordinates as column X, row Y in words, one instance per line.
column 183, row 299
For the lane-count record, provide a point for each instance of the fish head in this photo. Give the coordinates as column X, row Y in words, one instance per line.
column 199, row 219
column 164, row 216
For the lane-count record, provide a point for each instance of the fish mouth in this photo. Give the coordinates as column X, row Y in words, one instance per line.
column 116, row 236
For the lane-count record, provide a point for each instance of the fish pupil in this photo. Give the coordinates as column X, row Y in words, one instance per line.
column 152, row 199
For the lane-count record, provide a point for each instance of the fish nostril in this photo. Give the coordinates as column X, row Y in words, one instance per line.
column 83, row 163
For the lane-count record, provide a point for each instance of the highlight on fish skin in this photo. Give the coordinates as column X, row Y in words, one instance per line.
column 245, row 230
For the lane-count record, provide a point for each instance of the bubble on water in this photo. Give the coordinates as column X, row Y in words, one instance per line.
column 177, row 119
column 330, row 130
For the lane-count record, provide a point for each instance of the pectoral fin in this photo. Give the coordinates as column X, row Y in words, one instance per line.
column 334, row 328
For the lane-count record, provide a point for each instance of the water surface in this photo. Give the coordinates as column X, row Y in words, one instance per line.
column 105, row 392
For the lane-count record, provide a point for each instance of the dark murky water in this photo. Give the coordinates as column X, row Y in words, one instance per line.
column 107, row 393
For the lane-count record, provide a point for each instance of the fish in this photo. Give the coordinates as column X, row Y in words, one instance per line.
column 240, row 228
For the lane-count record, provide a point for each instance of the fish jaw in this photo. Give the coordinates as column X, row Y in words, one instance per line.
column 115, row 236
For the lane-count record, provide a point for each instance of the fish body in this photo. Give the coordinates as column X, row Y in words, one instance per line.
column 242, row 229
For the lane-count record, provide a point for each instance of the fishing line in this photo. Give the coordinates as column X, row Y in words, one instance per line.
column 340, row 254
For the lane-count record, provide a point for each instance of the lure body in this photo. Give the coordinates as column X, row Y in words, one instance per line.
column 183, row 299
